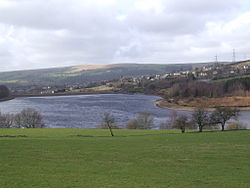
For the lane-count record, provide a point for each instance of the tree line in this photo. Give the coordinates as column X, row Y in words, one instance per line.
column 27, row 118
column 231, row 87
column 199, row 119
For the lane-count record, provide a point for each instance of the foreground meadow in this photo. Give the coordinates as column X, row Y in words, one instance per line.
column 71, row 158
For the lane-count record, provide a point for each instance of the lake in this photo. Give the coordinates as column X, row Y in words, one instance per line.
column 86, row 111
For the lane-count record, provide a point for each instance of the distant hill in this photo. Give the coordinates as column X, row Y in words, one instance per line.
column 85, row 73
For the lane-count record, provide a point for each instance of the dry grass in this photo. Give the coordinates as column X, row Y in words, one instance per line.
column 87, row 67
column 189, row 104
column 224, row 101
column 101, row 88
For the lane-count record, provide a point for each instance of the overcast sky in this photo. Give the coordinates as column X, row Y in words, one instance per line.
column 52, row 33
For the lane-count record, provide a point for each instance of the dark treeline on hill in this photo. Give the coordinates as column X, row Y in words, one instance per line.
column 238, row 84
column 185, row 87
column 196, row 89
column 4, row 92
column 238, row 87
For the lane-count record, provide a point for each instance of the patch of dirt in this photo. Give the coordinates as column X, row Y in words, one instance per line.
column 13, row 136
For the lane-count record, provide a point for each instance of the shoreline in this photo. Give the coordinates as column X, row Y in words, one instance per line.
column 162, row 103
column 7, row 98
column 72, row 94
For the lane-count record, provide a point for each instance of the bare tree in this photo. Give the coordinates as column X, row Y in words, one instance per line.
column 6, row 120
column 182, row 123
column 200, row 118
column 171, row 122
column 236, row 125
column 145, row 120
column 222, row 114
column 108, row 121
column 29, row 118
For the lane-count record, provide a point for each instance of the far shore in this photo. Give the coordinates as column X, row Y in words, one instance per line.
column 62, row 94
column 55, row 94
column 72, row 94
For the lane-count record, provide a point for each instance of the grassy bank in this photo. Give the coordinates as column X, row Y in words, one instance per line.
column 67, row 158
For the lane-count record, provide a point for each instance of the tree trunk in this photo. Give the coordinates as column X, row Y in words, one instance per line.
column 223, row 126
column 200, row 128
column 183, row 130
column 111, row 132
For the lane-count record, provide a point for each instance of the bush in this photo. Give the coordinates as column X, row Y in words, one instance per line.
column 132, row 124
column 236, row 125
column 143, row 121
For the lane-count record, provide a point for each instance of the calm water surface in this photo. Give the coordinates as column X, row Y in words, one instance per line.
column 86, row 111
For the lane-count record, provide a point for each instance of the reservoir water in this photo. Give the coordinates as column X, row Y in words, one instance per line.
column 86, row 111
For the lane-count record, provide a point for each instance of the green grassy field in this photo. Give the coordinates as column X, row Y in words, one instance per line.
column 66, row 158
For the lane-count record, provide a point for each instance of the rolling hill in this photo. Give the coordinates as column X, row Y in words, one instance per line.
column 84, row 73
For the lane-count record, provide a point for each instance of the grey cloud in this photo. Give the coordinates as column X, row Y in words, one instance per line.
column 51, row 33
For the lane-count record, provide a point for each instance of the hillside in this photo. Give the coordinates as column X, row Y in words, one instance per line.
column 84, row 73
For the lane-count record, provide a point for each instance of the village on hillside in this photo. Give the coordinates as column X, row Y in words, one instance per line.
column 207, row 73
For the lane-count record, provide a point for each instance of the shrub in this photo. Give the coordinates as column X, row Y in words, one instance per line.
column 236, row 125
column 143, row 121
column 132, row 124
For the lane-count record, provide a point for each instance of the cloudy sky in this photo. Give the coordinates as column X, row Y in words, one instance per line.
column 52, row 33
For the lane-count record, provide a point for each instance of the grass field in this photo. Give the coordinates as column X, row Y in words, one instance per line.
column 67, row 158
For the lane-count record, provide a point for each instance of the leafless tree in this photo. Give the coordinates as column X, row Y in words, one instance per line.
column 222, row 114
column 145, row 120
column 108, row 121
column 6, row 120
column 182, row 123
column 200, row 118
column 169, row 124
column 29, row 118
